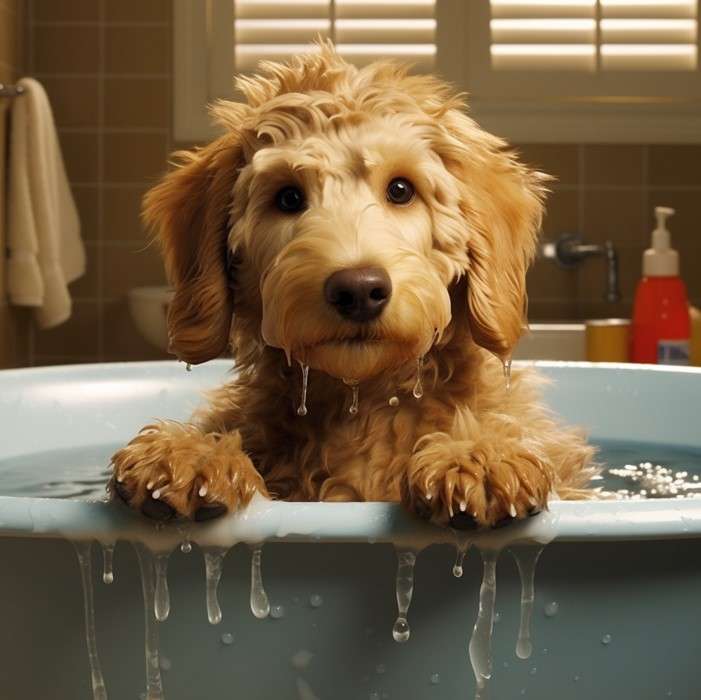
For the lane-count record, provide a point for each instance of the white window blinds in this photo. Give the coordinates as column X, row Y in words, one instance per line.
column 363, row 30
column 594, row 35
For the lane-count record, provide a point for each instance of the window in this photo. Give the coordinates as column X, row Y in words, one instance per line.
column 536, row 70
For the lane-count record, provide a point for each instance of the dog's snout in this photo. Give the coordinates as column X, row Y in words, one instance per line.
column 359, row 294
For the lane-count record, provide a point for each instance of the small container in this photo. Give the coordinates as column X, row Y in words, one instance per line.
column 607, row 340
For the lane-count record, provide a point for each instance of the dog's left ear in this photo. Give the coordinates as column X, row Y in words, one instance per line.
column 189, row 211
column 502, row 204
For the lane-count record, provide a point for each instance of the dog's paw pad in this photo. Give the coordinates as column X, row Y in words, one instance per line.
column 210, row 511
column 157, row 510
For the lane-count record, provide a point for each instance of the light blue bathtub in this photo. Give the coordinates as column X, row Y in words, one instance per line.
column 617, row 608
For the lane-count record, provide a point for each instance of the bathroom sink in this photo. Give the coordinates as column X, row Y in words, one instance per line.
column 544, row 341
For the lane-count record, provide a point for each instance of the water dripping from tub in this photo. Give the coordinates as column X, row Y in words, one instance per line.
column 161, row 604
column 526, row 560
column 480, row 647
column 418, row 390
column 213, row 563
column 302, row 408
column 107, row 563
column 83, row 552
column 459, row 558
column 260, row 606
column 154, row 682
column 186, row 547
column 404, row 592
column 188, row 367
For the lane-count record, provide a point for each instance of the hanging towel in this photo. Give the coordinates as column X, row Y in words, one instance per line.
column 45, row 249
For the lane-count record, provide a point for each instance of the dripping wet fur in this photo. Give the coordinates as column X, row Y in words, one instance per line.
column 254, row 226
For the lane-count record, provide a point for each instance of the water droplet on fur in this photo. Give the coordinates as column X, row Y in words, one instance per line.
column 404, row 592
column 315, row 600
column 480, row 647
column 227, row 639
column 551, row 609
column 606, row 639
column 83, row 552
column 507, row 373
column 107, row 563
column 161, row 606
column 302, row 408
column 260, row 606
column 394, row 401
column 186, row 547
column 213, row 562
column 188, row 367
column 418, row 390
column 526, row 560
column 353, row 384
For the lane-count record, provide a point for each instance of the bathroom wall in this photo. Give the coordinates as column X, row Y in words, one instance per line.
column 107, row 67
column 13, row 322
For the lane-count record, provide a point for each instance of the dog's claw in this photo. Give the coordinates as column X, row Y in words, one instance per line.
column 157, row 509
column 210, row 511
column 463, row 521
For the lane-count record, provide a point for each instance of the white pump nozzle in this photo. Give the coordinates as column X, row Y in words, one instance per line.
column 660, row 260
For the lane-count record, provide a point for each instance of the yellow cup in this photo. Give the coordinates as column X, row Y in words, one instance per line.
column 607, row 340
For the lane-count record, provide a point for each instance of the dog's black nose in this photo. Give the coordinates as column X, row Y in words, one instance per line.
column 359, row 294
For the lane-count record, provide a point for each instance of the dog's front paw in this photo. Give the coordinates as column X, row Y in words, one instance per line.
column 171, row 470
column 467, row 486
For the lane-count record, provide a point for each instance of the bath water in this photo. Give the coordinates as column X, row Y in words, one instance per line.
column 83, row 472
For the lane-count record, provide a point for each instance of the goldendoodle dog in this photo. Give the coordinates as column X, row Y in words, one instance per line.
column 360, row 246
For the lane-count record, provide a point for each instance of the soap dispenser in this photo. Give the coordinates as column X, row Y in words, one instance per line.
column 661, row 328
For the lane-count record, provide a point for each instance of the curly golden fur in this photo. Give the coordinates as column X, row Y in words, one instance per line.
column 249, row 278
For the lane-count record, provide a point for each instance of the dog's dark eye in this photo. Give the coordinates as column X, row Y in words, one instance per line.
column 289, row 199
column 400, row 191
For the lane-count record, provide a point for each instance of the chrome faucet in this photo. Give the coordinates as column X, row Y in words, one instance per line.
column 569, row 250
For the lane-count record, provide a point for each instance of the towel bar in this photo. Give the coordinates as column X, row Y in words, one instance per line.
column 11, row 90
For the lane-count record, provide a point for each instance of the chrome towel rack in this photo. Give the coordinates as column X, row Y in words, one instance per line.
column 11, row 90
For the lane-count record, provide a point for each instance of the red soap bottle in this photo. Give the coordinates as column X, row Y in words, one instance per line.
column 661, row 326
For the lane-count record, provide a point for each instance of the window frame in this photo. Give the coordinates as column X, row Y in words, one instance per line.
column 203, row 63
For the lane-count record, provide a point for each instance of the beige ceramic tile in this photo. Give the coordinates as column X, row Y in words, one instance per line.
column 675, row 165
column 125, row 267
column 609, row 164
column 134, row 158
column 66, row 49
column 74, row 101
column 137, row 102
column 77, row 336
column 138, row 11
column 80, row 156
column 66, row 10
column 137, row 50
column 122, row 206
column 558, row 160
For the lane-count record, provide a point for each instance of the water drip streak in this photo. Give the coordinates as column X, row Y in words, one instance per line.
column 107, row 563
column 83, row 551
column 161, row 606
column 526, row 560
column 459, row 557
column 418, row 390
column 405, row 590
column 507, row 373
column 302, row 409
column 213, row 562
column 154, row 683
column 480, row 647
column 260, row 606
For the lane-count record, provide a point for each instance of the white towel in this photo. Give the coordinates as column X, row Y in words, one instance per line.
column 45, row 248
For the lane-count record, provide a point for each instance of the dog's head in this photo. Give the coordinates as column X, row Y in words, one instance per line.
column 335, row 216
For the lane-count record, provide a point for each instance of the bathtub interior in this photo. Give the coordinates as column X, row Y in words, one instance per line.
column 626, row 590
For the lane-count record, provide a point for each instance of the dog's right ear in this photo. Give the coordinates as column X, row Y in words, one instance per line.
column 189, row 213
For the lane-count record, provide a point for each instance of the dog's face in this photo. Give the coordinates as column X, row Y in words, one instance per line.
column 335, row 217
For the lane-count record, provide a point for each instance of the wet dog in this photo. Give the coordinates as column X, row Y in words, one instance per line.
column 360, row 246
